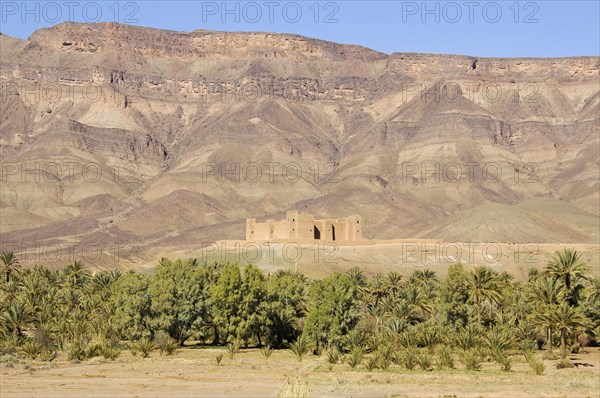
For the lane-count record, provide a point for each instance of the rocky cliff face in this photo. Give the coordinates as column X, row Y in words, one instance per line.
column 116, row 136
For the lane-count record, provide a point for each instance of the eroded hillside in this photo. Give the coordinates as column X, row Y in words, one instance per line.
column 135, row 142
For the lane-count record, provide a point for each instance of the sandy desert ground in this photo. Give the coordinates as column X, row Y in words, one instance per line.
column 194, row 372
column 321, row 259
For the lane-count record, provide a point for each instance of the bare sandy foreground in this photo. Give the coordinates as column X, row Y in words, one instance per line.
column 403, row 256
column 193, row 372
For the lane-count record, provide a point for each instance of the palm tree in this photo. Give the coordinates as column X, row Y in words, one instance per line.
column 16, row 318
column 10, row 263
column 416, row 297
column 394, row 279
column 358, row 276
column 483, row 284
column 282, row 326
column 424, row 277
column 546, row 292
column 9, row 292
column 378, row 288
column 405, row 311
column 100, row 283
column 594, row 289
column 566, row 266
column 567, row 320
column 75, row 273
column 469, row 336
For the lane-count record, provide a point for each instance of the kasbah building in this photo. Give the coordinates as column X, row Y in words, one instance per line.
column 304, row 228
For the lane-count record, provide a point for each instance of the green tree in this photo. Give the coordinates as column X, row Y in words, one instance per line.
column 591, row 304
column 226, row 297
column 546, row 292
column 253, row 305
column 178, row 302
column 10, row 264
column 16, row 318
column 75, row 274
column 567, row 320
column 333, row 309
column 286, row 306
column 454, row 295
column 566, row 266
column 131, row 298
column 484, row 288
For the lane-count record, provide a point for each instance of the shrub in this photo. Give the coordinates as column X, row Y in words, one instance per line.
column 45, row 339
column 165, row 343
column 408, row 338
column 373, row 343
column 538, row 367
column 232, row 349
column 502, row 358
column 384, row 359
column 355, row 357
column 109, row 352
column 409, row 358
column 505, row 363
column 424, row 360
column 371, row 362
column 92, row 350
column 76, row 351
column 32, row 349
column 445, row 358
column 266, row 351
column 8, row 346
column 356, row 338
column 8, row 358
column 535, row 364
column 472, row 360
column 48, row 356
column 145, row 346
column 564, row 364
column 386, row 351
column 333, row 355
column 300, row 347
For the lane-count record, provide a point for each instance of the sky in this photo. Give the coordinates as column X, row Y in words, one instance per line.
column 478, row 28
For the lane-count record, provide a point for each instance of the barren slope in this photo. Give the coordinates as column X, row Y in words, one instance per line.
column 113, row 135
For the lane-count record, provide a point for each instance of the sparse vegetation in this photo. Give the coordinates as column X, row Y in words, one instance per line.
column 371, row 362
column 424, row 360
column 409, row 358
column 355, row 357
column 232, row 348
column 300, row 347
column 266, row 351
column 164, row 343
column 333, row 355
column 445, row 358
column 295, row 388
column 472, row 360
column 564, row 364
column 535, row 364
column 145, row 346
column 219, row 358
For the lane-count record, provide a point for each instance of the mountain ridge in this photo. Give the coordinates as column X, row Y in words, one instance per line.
column 416, row 140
